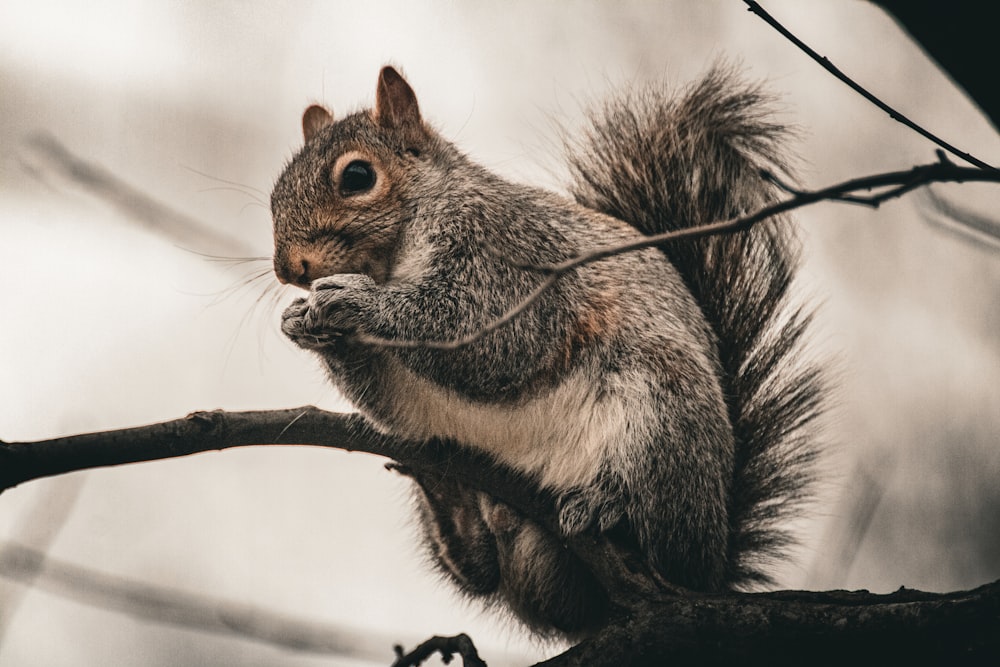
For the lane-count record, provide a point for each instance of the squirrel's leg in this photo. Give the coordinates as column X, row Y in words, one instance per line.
column 460, row 541
column 487, row 548
column 547, row 586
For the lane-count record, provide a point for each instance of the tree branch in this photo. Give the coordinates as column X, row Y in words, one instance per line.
column 217, row 430
column 892, row 185
column 652, row 619
column 198, row 432
column 446, row 646
column 798, row 627
column 833, row 69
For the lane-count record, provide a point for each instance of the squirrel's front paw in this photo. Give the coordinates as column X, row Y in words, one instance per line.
column 332, row 311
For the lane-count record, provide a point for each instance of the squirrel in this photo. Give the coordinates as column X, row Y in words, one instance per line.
column 661, row 395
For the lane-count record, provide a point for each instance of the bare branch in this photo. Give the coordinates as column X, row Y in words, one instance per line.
column 650, row 620
column 198, row 432
column 218, row 430
column 892, row 184
column 833, row 69
column 800, row 627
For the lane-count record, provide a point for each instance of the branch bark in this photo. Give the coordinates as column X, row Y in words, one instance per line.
column 797, row 627
column 653, row 622
column 217, row 430
column 198, row 432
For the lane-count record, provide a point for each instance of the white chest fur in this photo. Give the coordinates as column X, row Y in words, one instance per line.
column 561, row 437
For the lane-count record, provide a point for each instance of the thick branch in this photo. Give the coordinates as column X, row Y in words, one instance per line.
column 217, row 430
column 653, row 620
column 797, row 627
column 198, row 432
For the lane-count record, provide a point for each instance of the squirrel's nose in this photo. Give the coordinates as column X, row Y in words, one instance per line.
column 294, row 269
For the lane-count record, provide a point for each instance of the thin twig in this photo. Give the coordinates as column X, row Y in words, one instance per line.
column 896, row 184
column 957, row 626
column 457, row 343
column 833, row 69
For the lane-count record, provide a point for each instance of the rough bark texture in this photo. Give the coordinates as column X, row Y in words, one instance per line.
column 791, row 627
column 654, row 622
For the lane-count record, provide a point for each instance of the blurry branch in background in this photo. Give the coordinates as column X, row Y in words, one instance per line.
column 653, row 618
column 963, row 223
column 45, row 155
column 32, row 567
column 858, row 88
column 843, row 542
column 39, row 526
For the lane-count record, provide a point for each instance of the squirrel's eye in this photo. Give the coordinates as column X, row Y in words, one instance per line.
column 358, row 176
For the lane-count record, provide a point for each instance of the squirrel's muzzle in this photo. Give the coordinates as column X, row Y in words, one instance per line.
column 298, row 267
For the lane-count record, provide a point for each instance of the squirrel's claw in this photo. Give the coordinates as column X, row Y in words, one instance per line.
column 330, row 312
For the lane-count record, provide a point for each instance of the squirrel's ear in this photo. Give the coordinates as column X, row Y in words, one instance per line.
column 315, row 119
column 395, row 102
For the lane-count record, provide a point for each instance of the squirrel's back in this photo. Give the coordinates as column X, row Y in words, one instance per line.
column 662, row 163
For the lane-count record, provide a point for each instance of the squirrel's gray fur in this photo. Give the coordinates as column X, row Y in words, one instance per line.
column 657, row 393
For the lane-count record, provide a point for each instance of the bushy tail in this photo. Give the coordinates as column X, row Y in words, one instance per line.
column 667, row 162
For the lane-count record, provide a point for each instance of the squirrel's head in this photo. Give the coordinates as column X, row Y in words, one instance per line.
column 339, row 205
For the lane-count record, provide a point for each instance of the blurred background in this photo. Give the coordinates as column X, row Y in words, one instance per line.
column 110, row 322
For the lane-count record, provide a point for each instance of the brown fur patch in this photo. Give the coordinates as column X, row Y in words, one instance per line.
column 596, row 320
